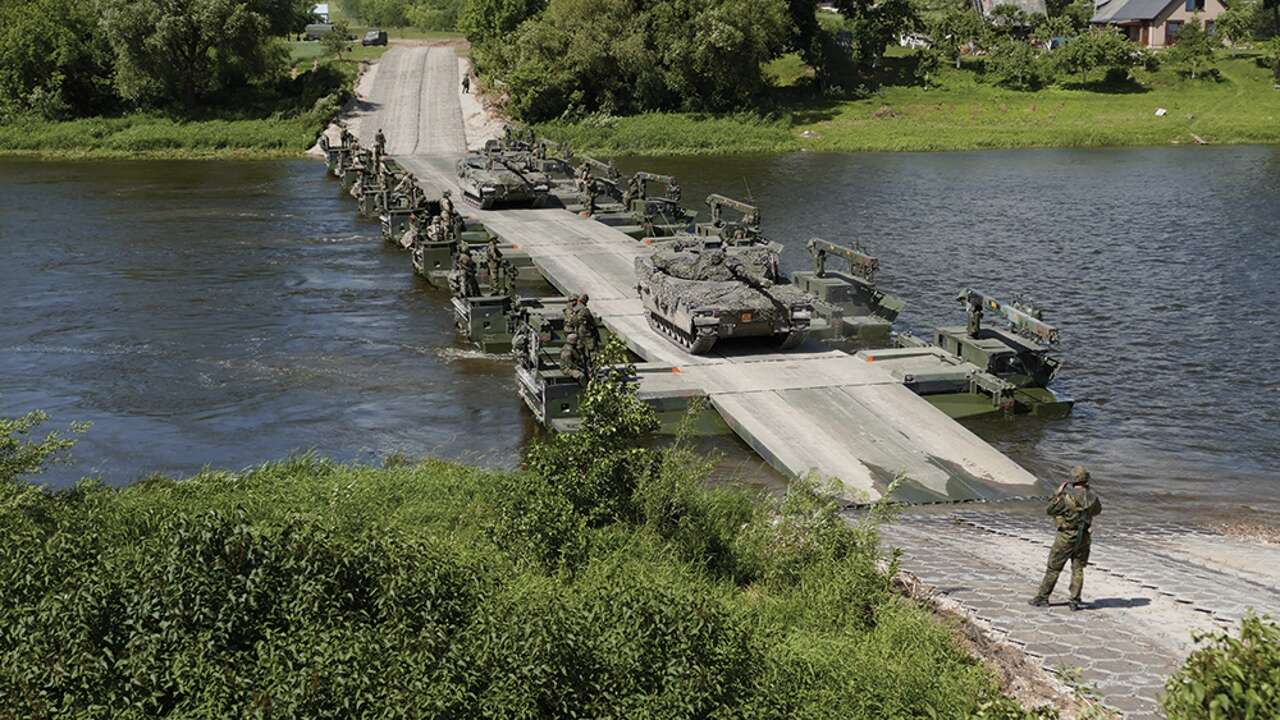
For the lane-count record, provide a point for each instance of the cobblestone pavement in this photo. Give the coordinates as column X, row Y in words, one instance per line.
column 1149, row 586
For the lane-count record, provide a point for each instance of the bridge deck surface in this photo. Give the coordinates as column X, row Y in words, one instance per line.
column 804, row 411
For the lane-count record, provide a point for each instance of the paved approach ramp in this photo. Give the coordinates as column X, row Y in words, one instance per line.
column 821, row 412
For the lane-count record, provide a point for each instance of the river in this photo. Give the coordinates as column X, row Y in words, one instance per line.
column 224, row 313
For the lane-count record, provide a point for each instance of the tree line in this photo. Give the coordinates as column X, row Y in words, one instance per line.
column 64, row 58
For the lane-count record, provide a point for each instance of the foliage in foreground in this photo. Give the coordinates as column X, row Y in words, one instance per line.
column 1230, row 676
column 603, row 581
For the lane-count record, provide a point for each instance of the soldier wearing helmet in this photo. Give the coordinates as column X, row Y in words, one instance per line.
column 1072, row 509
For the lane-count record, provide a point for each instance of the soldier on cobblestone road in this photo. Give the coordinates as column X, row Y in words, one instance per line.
column 1073, row 510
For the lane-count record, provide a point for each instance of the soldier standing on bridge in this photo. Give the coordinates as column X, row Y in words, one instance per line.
column 975, row 317
column 573, row 361
column 1073, row 510
column 468, row 283
column 380, row 143
column 583, row 323
column 494, row 262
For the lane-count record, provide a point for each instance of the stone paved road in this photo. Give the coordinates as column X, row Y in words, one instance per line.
column 1150, row 587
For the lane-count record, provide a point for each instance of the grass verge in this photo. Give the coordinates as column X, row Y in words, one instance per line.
column 962, row 113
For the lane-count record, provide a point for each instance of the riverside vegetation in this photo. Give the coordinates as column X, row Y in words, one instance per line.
column 604, row 579
column 637, row 76
column 130, row 78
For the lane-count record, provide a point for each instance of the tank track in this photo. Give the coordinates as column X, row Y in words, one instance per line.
column 793, row 339
column 699, row 345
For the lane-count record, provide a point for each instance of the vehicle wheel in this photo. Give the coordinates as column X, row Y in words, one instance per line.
column 793, row 339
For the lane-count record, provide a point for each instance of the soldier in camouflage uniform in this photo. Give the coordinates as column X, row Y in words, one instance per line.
column 468, row 283
column 1073, row 510
column 583, row 323
column 493, row 263
column 573, row 361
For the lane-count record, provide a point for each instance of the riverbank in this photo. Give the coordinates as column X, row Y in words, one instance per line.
column 964, row 113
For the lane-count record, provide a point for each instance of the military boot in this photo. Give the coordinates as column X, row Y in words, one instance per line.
column 1038, row 601
column 1075, row 605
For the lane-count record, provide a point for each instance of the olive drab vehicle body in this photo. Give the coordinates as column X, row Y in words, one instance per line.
column 697, row 294
column 492, row 178
column 850, row 310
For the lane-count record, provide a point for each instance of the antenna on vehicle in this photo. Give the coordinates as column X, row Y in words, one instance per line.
column 750, row 198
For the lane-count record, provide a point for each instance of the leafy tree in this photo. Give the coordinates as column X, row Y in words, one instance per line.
column 434, row 15
column 1098, row 48
column 23, row 453
column 873, row 26
column 1048, row 28
column 53, row 59
column 1007, row 19
column 623, row 56
column 1271, row 56
column 1194, row 48
column 1016, row 65
column 1079, row 13
column 183, row 50
column 338, row 41
column 957, row 29
column 928, row 60
column 1237, row 22
column 486, row 20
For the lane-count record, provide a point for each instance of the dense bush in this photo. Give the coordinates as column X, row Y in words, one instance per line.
column 1229, row 677
column 604, row 580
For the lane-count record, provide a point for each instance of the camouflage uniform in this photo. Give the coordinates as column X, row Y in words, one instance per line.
column 494, row 264
column 1073, row 511
column 583, row 323
column 468, row 284
column 573, row 361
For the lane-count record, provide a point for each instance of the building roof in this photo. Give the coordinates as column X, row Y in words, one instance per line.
column 1110, row 11
column 1030, row 7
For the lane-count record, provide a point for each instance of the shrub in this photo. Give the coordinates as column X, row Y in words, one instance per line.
column 1229, row 677
column 1016, row 65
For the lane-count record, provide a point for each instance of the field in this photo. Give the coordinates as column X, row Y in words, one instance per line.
column 961, row 113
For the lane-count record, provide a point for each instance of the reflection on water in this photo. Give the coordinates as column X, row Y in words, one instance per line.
column 225, row 313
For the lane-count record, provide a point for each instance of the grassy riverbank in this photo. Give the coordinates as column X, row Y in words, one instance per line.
column 963, row 113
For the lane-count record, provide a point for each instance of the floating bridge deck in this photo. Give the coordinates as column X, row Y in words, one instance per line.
column 803, row 411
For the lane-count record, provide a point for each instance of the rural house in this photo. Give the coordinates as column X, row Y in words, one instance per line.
column 1155, row 23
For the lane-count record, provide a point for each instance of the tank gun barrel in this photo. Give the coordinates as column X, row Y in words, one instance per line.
column 1023, row 319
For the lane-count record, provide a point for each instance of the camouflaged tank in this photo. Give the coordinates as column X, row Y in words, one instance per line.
column 489, row 180
column 696, row 296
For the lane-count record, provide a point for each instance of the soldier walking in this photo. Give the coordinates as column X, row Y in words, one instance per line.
column 380, row 143
column 1073, row 510
column 466, row 84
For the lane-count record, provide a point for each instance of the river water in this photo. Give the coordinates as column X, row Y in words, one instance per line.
column 226, row 313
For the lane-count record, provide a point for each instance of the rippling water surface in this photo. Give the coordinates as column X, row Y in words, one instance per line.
column 226, row 313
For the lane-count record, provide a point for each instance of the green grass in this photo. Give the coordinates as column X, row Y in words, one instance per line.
column 963, row 113
column 157, row 136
